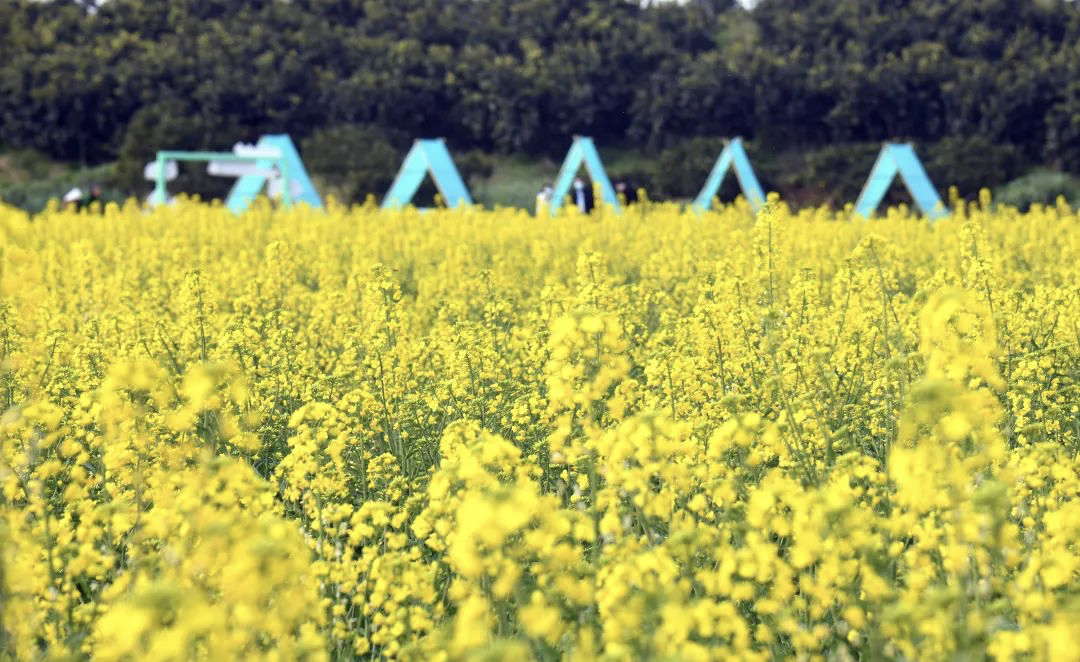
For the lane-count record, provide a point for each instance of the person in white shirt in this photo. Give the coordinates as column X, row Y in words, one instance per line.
column 73, row 198
column 543, row 198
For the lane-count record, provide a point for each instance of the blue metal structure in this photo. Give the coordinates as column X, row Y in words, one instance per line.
column 583, row 151
column 427, row 156
column 894, row 159
column 734, row 155
column 285, row 163
column 297, row 183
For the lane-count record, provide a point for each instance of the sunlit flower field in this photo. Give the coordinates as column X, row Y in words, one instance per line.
column 479, row 435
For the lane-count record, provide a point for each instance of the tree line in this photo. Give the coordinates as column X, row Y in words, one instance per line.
column 987, row 89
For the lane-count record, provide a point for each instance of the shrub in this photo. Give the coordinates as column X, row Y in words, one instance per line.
column 171, row 124
column 1040, row 186
column 970, row 164
column 351, row 161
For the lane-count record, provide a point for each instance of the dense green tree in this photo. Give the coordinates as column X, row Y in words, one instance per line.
column 117, row 81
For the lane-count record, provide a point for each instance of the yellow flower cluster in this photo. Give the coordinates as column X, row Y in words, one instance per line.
column 478, row 435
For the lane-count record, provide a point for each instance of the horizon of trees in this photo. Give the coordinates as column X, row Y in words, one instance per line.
column 986, row 88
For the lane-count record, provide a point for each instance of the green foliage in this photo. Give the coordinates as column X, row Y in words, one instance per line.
column 514, row 182
column 970, row 164
column 26, row 165
column 1041, row 186
column 172, row 124
column 475, row 164
column 834, row 173
column 351, row 161
column 982, row 87
column 29, row 181
column 680, row 171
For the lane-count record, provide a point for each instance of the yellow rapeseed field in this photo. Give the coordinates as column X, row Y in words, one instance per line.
column 479, row 435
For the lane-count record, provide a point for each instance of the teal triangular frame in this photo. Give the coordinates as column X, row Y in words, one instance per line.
column 246, row 188
column 428, row 157
column 583, row 151
column 900, row 159
column 733, row 156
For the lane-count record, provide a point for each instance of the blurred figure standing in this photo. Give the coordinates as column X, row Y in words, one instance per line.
column 95, row 196
column 73, row 199
column 583, row 196
column 543, row 198
column 627, row 193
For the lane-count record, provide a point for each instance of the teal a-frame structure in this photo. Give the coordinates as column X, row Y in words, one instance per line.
column 297, row 186
column 582, row 152
column 733, row 156
column 427, row 156
column 273, row 163
column 900, row 159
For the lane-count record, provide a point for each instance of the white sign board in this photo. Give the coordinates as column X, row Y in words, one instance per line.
column 255, row 152
column 238, row 169
column 171, row 171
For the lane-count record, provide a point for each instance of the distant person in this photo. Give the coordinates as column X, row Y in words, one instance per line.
column 543, row 198
column 626, row 192
column 95, row 196
column 583, row 196
column 73, row 199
